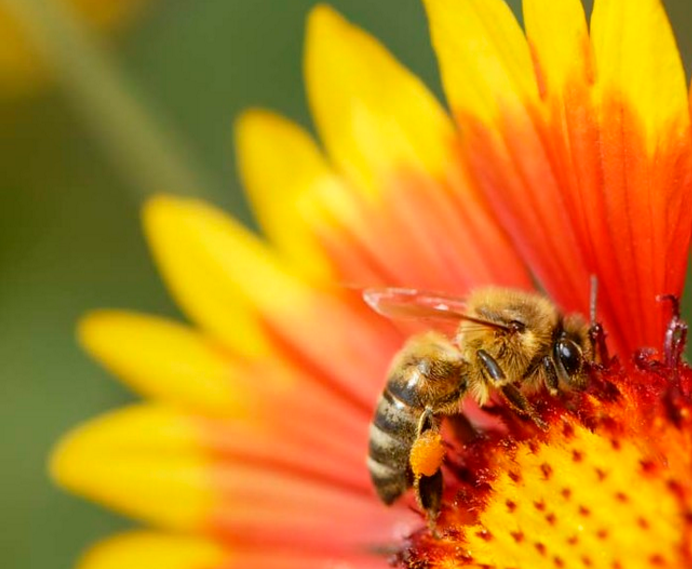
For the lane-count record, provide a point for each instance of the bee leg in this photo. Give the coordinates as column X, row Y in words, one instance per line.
column 492, row 367
column 429, row 495
column 427, row 454
column 517, row 399
column 550, row 376
column 597, row 337
column 514, row 396
column 426, row 422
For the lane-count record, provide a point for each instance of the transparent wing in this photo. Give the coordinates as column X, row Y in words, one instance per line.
column 410, row 303
column 413, row 304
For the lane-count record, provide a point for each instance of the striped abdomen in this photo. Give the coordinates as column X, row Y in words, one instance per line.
column 392, row 433
column 427, row 374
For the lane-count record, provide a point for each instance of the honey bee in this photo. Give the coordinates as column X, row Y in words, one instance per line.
column 507, row 341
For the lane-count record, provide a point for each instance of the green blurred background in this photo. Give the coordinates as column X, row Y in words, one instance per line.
column 70, row 238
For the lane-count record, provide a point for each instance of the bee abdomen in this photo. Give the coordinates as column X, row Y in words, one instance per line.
column 392, row 433
column 405, row 383
column 390, row 482
column 395, row 417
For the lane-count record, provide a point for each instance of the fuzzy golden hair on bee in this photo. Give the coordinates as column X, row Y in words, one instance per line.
column 508, row 343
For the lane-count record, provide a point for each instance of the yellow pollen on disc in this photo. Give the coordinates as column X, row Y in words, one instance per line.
column 580, row 500
column 427, row 454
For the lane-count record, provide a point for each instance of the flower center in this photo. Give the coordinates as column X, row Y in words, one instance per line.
column 607, row 486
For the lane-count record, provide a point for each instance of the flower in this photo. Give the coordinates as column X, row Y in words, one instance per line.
column 22, row 70
column 569, row 154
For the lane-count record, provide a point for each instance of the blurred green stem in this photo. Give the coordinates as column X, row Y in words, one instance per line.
column 142, row 147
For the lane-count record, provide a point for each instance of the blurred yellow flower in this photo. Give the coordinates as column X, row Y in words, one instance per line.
column 22, row 71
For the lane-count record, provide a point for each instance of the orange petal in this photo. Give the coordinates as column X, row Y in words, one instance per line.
column 258, row 506
column 646, row 159
column 565, row 68
column 638, row 59
column 173, row 364
column 238, row 481
column 489, row 78
column 587, row 177
column 414, row 217
column 226, row 278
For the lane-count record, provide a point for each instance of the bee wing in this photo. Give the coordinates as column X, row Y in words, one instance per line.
column 413, row 304
column 410, row 303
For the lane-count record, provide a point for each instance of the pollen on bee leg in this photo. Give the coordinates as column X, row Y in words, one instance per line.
column 425, row 459
column 427, row 454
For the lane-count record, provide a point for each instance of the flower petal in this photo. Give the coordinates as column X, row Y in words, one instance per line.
column 560, row 46
column 175, row 365
column 485, row 61
column 565, row 69
column 418, row 220
column 281, row 168
column 237, row 481
column 489, row 78
column 213, row 263
column 372, row 114
column 143, row 461
column 153, row 550
column 564, row 149
column 638, row 59
column 302, row 205
column 186, row 238
column 646, row 157
column 165, row 360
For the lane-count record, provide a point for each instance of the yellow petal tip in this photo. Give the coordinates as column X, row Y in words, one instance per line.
column 162, row 204
column 144, row 461
column 150, row 550
column 257, row 127
column 161, row 212
column 255, row 118
column 374, row 116
column 201, row 252
column 284, row 174
column 324, row 14
column 164, row 360
column 90, row 325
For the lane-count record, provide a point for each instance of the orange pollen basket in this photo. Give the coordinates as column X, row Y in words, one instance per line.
column 427, row 454
column 607, row 485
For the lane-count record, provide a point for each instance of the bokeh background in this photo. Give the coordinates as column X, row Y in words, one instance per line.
column 140, row 102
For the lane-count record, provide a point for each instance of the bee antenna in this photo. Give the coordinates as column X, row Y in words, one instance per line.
column 593, row 297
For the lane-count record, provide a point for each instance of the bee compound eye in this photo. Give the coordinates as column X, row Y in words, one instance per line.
column 569, row 355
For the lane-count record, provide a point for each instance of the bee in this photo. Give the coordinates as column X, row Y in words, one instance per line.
column 504, row 341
